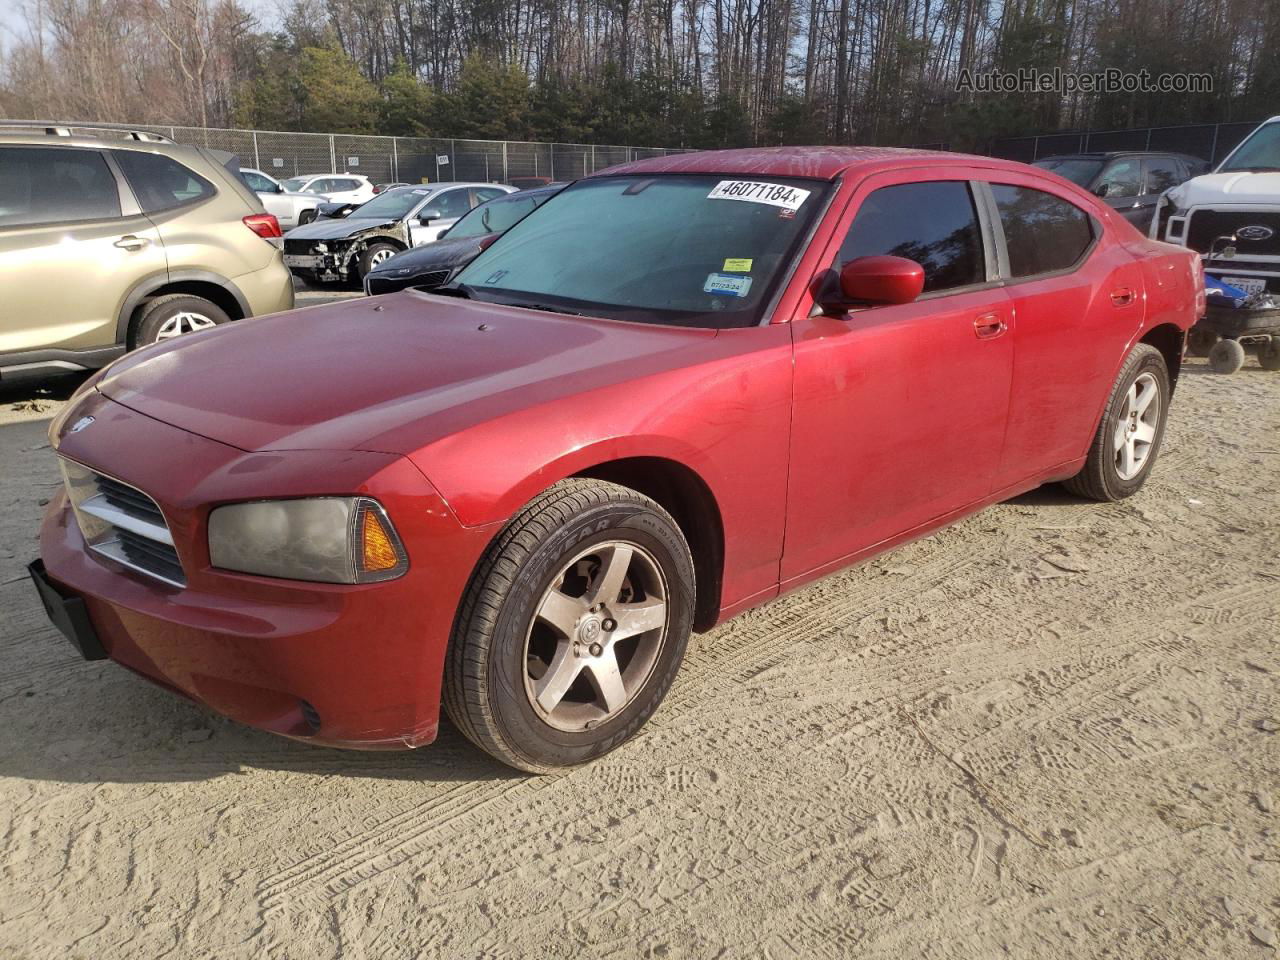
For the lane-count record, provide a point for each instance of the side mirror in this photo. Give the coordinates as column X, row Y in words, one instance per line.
column 1102, row 190
column 426, row 216
column 279, row 188
column 880, row 281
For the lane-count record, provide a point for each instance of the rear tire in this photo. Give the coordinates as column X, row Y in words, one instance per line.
column 572, row 629
column 1128, row 438
column 174, row 315
column 1227, row 356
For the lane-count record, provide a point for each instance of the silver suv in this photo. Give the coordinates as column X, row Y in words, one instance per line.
column 110, row 240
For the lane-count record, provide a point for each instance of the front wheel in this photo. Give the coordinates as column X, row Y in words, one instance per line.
column 1128, row 438
column 572, row 629
column 375, row 254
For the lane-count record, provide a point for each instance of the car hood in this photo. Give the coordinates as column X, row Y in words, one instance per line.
column 434, row 256
column 336, row 229
column 389, row 374
column 1220, row 189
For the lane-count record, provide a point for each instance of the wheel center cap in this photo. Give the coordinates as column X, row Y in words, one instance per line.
column 589, row 630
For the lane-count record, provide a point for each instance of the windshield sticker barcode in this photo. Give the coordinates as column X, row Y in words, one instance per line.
column 727, row 284
column 753, row 191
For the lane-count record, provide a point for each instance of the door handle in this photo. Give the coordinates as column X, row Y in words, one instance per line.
column 988, row 326
column 1122, row 296
column 131, row 242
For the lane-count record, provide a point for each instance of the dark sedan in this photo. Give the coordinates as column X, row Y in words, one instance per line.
column 430, row 266
column 1129, row 183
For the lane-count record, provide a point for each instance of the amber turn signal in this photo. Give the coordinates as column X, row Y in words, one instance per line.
column 378, row 551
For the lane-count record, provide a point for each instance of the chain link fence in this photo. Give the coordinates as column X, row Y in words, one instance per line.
column 399, row 159
column 1209, row 141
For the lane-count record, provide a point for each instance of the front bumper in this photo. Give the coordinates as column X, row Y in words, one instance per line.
column 352, row 666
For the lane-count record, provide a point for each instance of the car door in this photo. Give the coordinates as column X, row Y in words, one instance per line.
column 451, row 205
column 899, row 411
column 1120, row 187
column 1078, row 299
column 73, row 240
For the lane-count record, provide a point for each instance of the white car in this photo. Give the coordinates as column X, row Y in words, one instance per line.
column 291, row 209
column 335, row 187
column 1232, row 216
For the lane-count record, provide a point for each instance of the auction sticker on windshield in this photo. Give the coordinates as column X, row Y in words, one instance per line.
column 727, row 284
column 753, row 191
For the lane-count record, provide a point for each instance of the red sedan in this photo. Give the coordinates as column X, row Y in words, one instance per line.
column 677, row 389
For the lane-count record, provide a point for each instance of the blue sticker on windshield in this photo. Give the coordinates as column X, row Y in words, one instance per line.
column 727, row 284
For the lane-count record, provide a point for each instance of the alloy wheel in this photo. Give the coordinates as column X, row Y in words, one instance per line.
column 1136, row 426
column 596, row 635
column 184, row 321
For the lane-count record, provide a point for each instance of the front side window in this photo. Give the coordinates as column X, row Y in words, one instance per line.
column 49, row 185
column 933, row 223
column 496, row 217
column 1162, row 173
column 681, row 250
column 160, row 182
column 1123, row 178
column 485, row 194
column 1043, row 233
column 1260, row 152
column 257, row 182
column 451, row 204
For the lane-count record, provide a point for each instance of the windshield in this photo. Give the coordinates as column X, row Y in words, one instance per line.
column 496, row 216
column 394, row 205
column 293, row 184
column 1079, row 170
column 696, row 251
column 1261, row 151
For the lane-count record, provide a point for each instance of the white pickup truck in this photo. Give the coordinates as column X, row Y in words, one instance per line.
column 1240, row 200
column 1231, row 217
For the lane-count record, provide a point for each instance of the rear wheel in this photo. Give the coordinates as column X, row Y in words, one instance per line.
column 1128, row 439
column 1227, row 356
column 174, row 315
column 573, row 628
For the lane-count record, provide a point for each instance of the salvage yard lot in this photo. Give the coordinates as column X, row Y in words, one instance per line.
column 1049, row 731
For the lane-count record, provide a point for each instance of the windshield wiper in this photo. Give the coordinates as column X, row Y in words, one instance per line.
column 547, row 307
column 455, row 290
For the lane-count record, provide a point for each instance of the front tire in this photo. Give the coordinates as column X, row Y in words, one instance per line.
column 375, row 254
column 1128, row 439
column 572, row 629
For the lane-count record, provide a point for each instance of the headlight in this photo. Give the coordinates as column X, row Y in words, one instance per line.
column 322, row 539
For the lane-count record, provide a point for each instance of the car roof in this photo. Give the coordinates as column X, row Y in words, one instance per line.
column 1109, row 154
column 814, row 163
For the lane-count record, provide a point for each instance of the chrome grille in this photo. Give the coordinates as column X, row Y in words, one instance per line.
column 122, row 523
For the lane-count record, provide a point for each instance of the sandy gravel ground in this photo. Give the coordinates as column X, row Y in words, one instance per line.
column 1048, row 732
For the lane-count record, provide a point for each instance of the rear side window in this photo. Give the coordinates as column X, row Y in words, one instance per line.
column 160, row 182
column 52, row 185
column 932, row 223
column 1043, row 233
column 1123, row 178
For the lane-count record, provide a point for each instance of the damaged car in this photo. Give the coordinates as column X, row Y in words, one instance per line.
column 342, row 250
column 431, row 266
